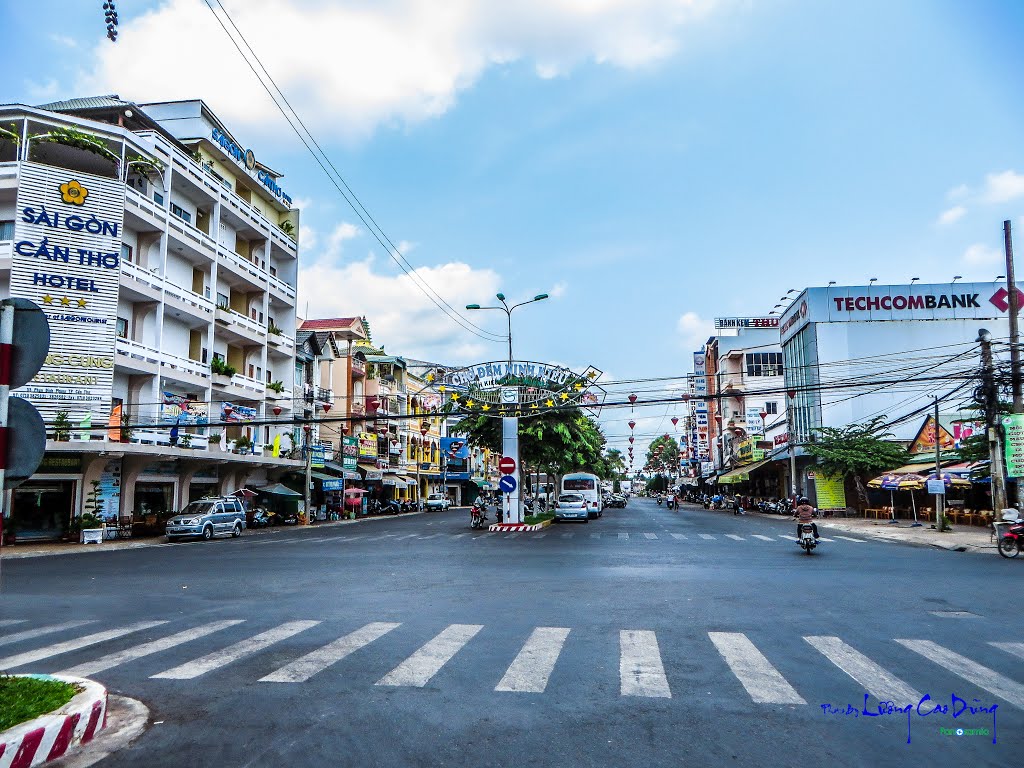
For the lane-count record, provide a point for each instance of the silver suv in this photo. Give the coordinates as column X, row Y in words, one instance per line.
column 207, row 518
column 437, row 501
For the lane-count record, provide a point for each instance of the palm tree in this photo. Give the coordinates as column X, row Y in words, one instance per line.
column 616, row 461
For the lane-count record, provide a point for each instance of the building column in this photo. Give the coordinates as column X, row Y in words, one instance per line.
column 131, row 470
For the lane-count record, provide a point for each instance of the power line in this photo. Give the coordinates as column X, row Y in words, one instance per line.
column 357, row 207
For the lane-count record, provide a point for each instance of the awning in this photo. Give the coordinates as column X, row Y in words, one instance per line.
column 278, row 490
column 321, row 476
column 742, row 474
column 389, row 481
column 370, row 472
column 351, row 474
column 406, row 480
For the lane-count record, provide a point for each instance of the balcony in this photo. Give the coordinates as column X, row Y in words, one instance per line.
column 281, row 342
column 324, row 395
column 281, row 288
column 358, row 408
column 192, row 303
column 358, row 367
column 185, row 365
column 239, row 325
column 240, row 386
column 191, row 235
column 242, row 266
column 140, row 204
column 135, row 356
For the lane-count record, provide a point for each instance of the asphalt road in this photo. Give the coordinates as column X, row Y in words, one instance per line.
column 649, row 637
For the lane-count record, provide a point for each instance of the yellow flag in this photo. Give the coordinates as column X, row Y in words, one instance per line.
column 277, row 447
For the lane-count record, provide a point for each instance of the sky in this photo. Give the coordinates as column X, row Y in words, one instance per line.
column 650, row 164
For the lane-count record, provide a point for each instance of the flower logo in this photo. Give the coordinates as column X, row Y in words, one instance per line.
column 73, row 192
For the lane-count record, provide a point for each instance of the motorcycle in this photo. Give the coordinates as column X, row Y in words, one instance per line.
column 1012, row 541
column 477, row 517
column 659, row 501
column 393, row 507
column 807, row 540
column 260, row 519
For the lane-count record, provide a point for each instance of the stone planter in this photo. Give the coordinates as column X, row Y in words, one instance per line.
column 221, row 380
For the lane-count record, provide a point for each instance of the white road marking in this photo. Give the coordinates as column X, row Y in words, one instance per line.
column 762, row 538
column 11, row 622
column 787, row 538
column 679, row 536
column 989, row 680
column 218, row 659
column 73, row 645
column 640, row 669
column 513, row 534
column 458, row 535
column 595, row 535
column 822, row 538
column 623, row 536
column 306, row 666
column 428, row 660
column 706, row 536
column 155, row 646
column 28, row 634
column 532, row 667
column 873, row 678
column 1017, row 649
column 407, row 536
column 734, row 536
column 847, row 538
column 650, row 535
column 568, row 535
column 762, row 681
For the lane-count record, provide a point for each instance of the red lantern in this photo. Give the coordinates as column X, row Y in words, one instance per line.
column 424, row 428
column 791, row 393
column 632, row 399
column 327, row 407
column 631, row 439
column 277, row 410
column 674, row 421
column 632, row 423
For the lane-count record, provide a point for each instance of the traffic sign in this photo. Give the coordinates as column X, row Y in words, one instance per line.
column 507, row 465
column 25, row 423
column 507, row 484
column 31, row 341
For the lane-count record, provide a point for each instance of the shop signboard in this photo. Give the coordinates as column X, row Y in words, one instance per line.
column 178, row 409
column 830, row 492
column 66, row 258
column 108, row 492
column 317, row 456
column 754, row 420
column 367, row 444
column 1013, row 427
column 230, row 412
column 349, row 452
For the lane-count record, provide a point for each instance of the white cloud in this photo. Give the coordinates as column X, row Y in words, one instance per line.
column 952, row 214
column 350, row 67
column 559, row 290
column 39, row 93
column 401, row 316
column 958, row 193
column 64, row 40
column 694, row 330
column 1003, row 187
column 981, row 255
column 342, row 232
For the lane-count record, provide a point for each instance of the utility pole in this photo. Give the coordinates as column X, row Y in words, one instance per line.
column 991, row 405
column 1014, row 301
column 940, row 498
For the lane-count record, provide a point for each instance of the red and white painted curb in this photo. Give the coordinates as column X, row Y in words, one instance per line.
column 506, row 527
column 47, row 737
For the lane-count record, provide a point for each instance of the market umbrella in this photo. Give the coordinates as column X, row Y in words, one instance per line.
column 355, row 491
column 354, row 501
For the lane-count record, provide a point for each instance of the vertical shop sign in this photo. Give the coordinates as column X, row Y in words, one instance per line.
column 66, row 258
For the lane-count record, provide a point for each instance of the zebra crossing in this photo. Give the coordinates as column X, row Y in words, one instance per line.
column 621, row 536
column 642, row 670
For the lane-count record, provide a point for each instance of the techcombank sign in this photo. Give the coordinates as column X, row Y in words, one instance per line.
column 882, row 303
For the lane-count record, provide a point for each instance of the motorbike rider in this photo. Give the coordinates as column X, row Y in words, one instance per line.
column 805, row 514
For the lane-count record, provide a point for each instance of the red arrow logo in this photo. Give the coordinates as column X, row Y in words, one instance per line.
column 1000, row 299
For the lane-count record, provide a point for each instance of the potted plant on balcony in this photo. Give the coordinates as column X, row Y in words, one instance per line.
column 61, row 427
column 222, row 372
column 277, row 387
column 243, row 445
column 288, row 228
column 272, row 328
column 214, row 441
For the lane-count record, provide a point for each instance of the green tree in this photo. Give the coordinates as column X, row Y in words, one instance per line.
column 663, row 455
column 856, row 450
column 616, row 463
column 555, row 442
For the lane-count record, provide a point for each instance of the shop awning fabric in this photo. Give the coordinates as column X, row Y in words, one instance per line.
column 742, row 474
column 278, row 490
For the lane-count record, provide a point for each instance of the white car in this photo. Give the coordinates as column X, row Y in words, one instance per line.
column 437, row 502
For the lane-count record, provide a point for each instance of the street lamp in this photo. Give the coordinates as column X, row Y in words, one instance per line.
column 424, row 428
column 957, row 277
column 508, row 312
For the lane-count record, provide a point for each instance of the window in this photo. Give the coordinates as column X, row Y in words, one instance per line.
column 158, row 198
column 126, row 252
column 6, row 230
column 222, row 300
column 122, row 328
column 181, row 213
column 771, row 408
column 764, row 363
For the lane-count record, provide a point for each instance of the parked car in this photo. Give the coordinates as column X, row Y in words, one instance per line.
column 206, row 518
column 572, row 506
column 437, row 502
column 616, row 500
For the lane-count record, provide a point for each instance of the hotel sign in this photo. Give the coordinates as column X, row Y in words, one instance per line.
column 67, row 259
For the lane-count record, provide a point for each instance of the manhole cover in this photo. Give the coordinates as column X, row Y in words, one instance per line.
column 954, row 614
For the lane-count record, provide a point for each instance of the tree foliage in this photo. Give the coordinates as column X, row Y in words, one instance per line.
column 663, row 455
column 615, row 462
column 555, row 442
column 856, row 449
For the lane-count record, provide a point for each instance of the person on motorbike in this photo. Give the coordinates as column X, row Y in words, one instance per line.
column 805, row 514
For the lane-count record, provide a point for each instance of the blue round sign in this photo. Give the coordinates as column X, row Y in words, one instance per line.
column 507, row 484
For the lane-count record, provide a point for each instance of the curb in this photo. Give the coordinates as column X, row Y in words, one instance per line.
column 518, row 527
column 47, row 737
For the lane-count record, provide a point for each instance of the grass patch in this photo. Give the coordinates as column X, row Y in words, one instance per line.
column 23, row 698
column 534, row 519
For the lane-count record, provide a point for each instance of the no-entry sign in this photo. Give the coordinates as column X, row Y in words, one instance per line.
column 507, row 465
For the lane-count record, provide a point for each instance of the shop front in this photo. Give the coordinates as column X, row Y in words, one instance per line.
column 41, row 509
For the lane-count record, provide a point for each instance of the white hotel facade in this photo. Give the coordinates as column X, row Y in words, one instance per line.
column 162, row 251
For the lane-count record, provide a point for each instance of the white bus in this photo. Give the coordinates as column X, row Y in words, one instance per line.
column 589, row 486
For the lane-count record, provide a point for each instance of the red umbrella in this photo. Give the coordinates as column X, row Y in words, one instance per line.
column 355, row 491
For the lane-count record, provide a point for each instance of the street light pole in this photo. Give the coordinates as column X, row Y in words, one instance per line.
column 510, row 425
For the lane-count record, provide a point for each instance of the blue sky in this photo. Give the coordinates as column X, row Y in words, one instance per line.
column 652, row 164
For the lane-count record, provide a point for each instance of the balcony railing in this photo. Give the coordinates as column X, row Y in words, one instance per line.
column 358, row 367
column 324, row 395
column 358, row 408
column 187, row 365
column 136, row 199
column 239, row 321
column 281, row 286
column 137, row 351
column 201, row 303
